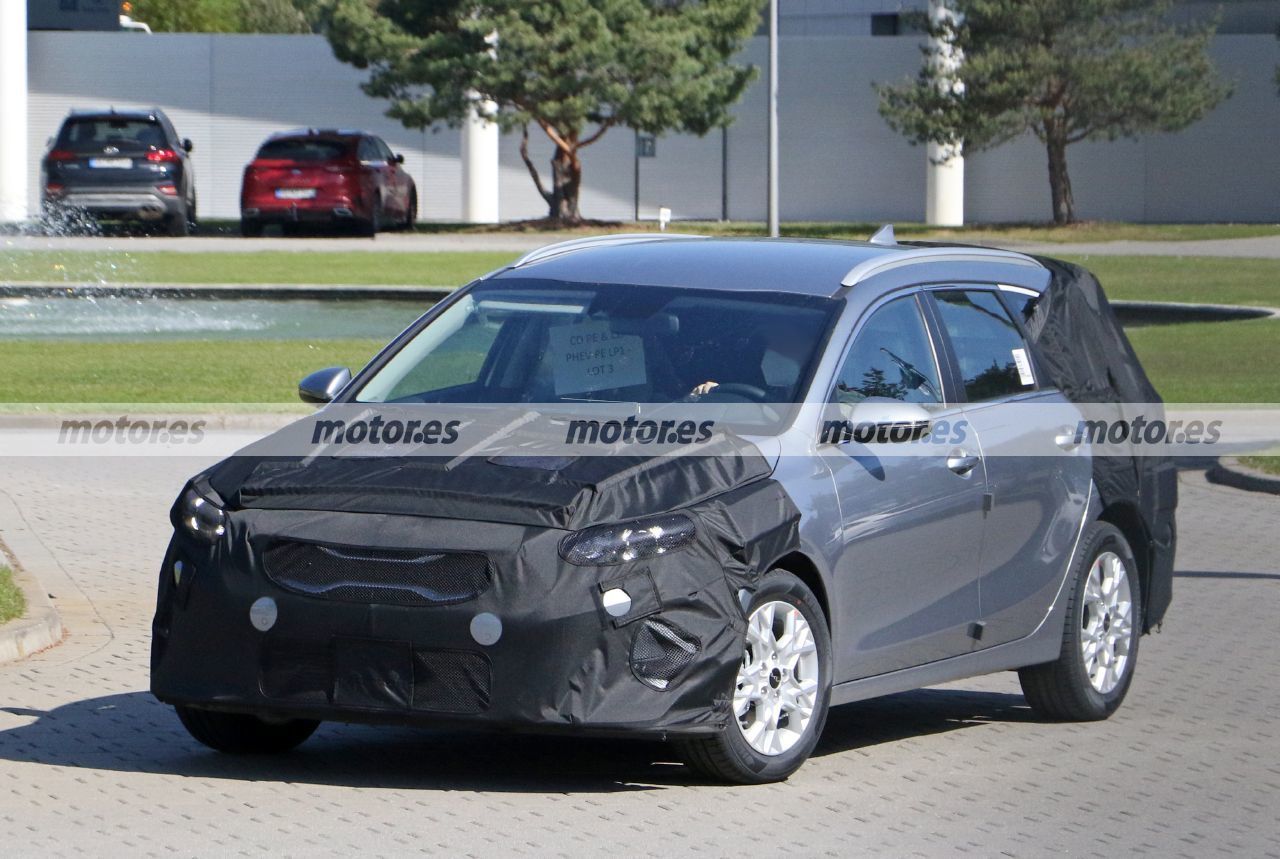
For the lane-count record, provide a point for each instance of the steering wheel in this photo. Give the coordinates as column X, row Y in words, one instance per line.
column 741, row 390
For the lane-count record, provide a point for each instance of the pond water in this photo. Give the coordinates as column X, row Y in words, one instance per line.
column 150, row 317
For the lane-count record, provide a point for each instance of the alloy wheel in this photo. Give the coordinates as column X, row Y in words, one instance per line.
column 777, row 686
column 1106, row 622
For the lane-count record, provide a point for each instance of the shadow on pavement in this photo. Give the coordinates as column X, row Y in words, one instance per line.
column 1195, row 574
column 132, row 732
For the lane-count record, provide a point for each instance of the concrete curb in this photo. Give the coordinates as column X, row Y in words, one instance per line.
column 1228, row 471
column 39, row 628
column 1182, row 311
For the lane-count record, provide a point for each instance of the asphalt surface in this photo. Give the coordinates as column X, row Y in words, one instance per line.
column 90, row 763
column 1261, row 247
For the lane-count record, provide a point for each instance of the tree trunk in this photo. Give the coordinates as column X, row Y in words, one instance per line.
column 566, row 181
column 1064, row 205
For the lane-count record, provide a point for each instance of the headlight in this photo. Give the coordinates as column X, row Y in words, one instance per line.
column 629, row 541
column 201, row 517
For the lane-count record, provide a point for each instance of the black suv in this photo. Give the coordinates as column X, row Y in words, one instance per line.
column 122, row 164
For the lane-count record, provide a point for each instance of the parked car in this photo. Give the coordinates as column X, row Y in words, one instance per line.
column 121, row 165
column 327, row 177
column 721, row 600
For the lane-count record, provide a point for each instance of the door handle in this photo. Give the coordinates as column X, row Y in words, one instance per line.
column 1067, row 438
column 962, row 463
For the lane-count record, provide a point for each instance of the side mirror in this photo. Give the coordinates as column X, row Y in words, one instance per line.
column 398, row 158
column 880, row 420
column 186, row 144
column 323, row 385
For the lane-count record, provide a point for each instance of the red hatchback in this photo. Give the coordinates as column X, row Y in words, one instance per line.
column 327, row 177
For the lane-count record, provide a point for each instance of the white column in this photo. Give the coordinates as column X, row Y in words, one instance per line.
column 944, row 180
column 13, row 111
column 480, row 166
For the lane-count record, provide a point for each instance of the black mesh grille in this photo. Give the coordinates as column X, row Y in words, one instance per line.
column 371, row 674
column 660, row 651
column 450, row 681
column 388, row 576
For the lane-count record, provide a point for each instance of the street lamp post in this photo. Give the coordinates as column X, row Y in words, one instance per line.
column 773, row 118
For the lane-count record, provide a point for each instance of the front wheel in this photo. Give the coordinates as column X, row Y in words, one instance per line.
column 1100, row 636
column 782, row 691
column 242, row 734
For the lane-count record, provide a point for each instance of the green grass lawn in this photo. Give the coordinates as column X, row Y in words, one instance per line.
column 11, row 602
column 240, row 371
column 1269, row 464
column 1212, row 362
column 417, row 269
column 1199, row 280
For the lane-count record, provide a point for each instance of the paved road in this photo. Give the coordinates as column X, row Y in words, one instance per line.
column 90, row 763
column 1264, row 247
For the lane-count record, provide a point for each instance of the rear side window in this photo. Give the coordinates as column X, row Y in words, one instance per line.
column 302, row 149
column 993, row 359
column 109, row 131
column 370, row 152
column 891, row 357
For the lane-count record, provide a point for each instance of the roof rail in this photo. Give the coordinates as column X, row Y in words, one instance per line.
column 547, row 251
column 912, row 256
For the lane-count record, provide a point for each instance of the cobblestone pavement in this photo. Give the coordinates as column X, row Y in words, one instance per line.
column 89, row 762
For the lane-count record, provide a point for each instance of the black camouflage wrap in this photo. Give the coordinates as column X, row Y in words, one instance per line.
column 1083, row 348
column 562, row 661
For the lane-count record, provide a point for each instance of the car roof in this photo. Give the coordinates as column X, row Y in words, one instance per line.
column 319, row 132
column 816, row 267
column 116, row 113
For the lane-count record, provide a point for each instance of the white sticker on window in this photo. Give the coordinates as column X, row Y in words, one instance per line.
column 590, row 357
column 1024, row 367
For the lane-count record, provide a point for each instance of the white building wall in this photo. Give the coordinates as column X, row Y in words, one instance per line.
column 839, row 159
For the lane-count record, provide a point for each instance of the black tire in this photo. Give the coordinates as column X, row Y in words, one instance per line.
column 1061, row 691
column 727, row 756
column 179, row 225
column 241, row 734
column 250, row 228
column 411, row 214
column 373, row 225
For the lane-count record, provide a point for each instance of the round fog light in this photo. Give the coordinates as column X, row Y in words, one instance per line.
column 263, row 613
column 486, row 628
column 617, row 602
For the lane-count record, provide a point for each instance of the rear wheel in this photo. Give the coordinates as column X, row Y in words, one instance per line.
column 371, row 226
column 250, row 228
column 242, row 734
column 179, row 224
column 781, row 693
column 1090, row 678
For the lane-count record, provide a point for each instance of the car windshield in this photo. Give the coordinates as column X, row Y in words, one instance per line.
column 303, row 149
column 97, row 132
column 547, row 342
